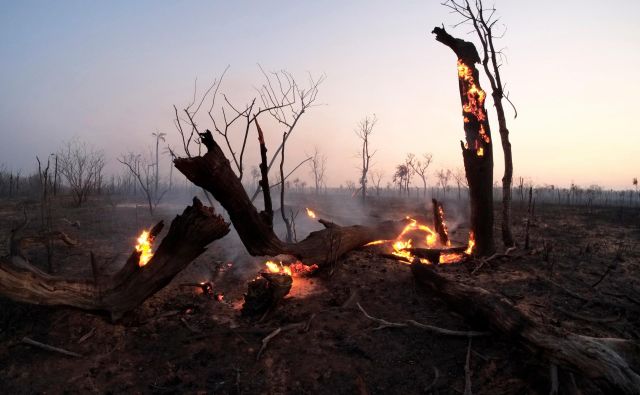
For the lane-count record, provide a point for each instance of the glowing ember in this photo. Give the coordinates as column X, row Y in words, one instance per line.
column 310, row 213
column 472, row 243
column 144, row 247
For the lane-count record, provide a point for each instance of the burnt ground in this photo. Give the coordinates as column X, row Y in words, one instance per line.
column 180, row 341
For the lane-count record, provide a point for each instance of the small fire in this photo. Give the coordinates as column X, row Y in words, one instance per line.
column 278, row 268
column 144, row 247
column 472, row 243
column 310, row 213
column 295, row 269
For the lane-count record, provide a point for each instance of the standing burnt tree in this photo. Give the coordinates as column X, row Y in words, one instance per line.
column 484, row 21
column 477, row 150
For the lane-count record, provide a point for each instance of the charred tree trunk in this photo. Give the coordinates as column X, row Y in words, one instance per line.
column 213, row 172
column 439, row 224
column 611, row 363
column 477, row 149
column 187, row 238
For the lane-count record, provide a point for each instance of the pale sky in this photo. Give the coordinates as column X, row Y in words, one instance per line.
column 109, row 73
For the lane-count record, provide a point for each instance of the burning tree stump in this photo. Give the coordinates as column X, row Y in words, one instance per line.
column 613, row 364
column 477, row 150
column 265, row 293
column 186, row 239
column 213, row 172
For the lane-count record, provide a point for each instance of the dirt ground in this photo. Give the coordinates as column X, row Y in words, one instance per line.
column 180, row 341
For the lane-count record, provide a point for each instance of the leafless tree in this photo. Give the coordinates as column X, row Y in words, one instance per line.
column 376, row 178
column 364, row 131
column 143, row 170
column 81, row 165
column 484, row 22
column 318, row 165
column 461, row 179
column 280, row 96
column 420, row 167
column 443, row 179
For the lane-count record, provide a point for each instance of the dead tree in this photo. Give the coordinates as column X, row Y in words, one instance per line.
column 145, row 173
column 318, row 165
column 130, row 286
column 611, row 363
column 81, row 166
column 420, row 167
column 477, row 149
column 363, row 131
column 212, row 171
column 483, row 22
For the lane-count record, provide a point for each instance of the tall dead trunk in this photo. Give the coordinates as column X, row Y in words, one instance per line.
column 477, row 149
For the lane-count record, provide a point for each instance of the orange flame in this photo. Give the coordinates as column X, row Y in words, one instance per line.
column 278, row 268
column 310, row 213
column 475, row 105
column 472, row 243
column 144, row 248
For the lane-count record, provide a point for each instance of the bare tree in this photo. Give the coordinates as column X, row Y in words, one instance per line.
column 143, row 170
column 81, row 165
column 364, row 131
column 318, row 165
column 443, row 179
column 461, row 180
column 484, row 21
column 420, row 167
column 376, row 178
column 280, row 96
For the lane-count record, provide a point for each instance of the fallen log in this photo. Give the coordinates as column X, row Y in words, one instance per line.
column 613, row 364
column 212, row 171
column 186, row 239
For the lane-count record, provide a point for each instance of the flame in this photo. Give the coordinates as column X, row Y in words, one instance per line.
column 278, row 268
column 474, row 105
column 472, row 243
column 310, row 213
column 144, row 247
column 376, row 242
column 444, row 224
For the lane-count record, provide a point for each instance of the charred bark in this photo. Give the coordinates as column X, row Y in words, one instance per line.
column 477, row 149
column 213, row 172
column 611, row 363
column 439, row 224
column 186, row 239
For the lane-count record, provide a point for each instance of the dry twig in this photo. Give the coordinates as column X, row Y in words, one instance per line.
column 440, row 331
column 47, row 347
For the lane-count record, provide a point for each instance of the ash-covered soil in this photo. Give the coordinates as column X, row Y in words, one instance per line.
column 580, row 274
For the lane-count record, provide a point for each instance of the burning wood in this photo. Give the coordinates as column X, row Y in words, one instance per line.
column 477, row 149
column 144, row 241
column 310, row 213
column 439, row 224
column 430, row 247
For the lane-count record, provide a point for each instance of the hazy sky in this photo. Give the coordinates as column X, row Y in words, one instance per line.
column 110, row 71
